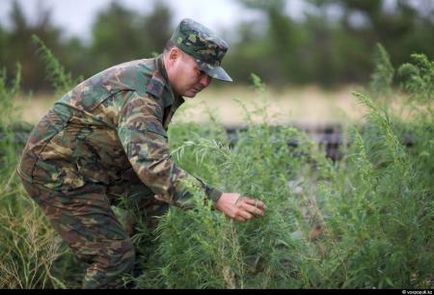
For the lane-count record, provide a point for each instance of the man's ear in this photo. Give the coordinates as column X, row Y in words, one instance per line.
column 174, row 54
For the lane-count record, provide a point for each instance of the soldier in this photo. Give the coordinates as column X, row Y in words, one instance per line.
column 106, row 138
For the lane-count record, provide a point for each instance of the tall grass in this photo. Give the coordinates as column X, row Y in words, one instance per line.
column 56, row 74
column 364, row 222
column 379, row 215
column 33, row 256
column 27, row 247
column 201, row 248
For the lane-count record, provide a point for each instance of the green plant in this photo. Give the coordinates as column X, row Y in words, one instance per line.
column 28, row 249
column 378, row 208
column 365, row 222
column 382, row 77
column 417, row 78
column 55, row 72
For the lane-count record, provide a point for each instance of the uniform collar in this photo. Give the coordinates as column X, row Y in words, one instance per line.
column 161, row 68
column 161, row 76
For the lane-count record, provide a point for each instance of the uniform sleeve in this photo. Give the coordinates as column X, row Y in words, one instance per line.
column 146, row 144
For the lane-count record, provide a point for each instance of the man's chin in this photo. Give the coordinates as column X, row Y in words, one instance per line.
column 190, row 94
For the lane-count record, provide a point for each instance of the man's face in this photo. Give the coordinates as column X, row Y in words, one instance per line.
column 184, row 74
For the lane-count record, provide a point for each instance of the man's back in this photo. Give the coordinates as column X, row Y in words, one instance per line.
column 79, row 141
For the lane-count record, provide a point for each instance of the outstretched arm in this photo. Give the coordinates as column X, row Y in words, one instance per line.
column 146, row 145
column 145, row 142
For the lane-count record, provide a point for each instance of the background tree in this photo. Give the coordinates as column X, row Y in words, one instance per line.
column 120, row 34
column 332, row 44
column 19, row 48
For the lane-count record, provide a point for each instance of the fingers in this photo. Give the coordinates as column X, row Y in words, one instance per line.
column 239, row 218
column 253, row 202
column 245, row 214
column 253, row 209
column 249, row 204
column 248, row 208
column 240, row 214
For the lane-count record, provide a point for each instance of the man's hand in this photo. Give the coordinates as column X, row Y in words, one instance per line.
column 239, row 207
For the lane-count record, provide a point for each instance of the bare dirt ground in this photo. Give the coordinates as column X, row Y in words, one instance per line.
column 301, row 105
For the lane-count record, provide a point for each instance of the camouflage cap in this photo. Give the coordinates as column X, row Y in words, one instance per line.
column 203, row 45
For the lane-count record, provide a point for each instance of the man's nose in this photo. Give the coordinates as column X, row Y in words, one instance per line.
column 205, row 80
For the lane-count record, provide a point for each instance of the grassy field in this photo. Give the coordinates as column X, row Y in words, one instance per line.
column 365, row 221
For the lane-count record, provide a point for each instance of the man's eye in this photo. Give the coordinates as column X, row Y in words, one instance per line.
column 199, row 72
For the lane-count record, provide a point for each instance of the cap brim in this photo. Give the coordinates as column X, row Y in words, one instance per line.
column 215, row 72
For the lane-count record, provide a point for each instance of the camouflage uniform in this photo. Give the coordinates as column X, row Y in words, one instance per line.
column 106, row 138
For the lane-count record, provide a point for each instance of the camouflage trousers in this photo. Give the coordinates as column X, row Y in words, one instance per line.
column 83, row 217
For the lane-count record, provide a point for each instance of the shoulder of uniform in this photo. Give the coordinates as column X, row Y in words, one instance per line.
column 122, row 76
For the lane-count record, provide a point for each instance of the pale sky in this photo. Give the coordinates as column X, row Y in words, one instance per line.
column 75, row 17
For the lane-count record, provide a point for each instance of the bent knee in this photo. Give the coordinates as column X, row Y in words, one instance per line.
column 121, row 254
column 108, row 255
